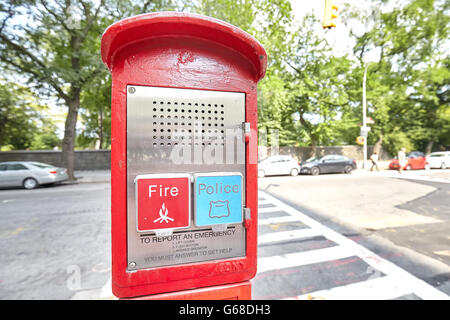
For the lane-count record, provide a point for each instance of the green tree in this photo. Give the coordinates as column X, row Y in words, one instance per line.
column 407, row 87
column 22, row 121
column 15, row 127
column 96, row 115
column 57, row 50
column 269, row 21
column 316, row 88
column 45, row 137
column 55, row 45
column 426, row 105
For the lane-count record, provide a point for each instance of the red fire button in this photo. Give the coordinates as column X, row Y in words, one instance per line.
column 162, row 202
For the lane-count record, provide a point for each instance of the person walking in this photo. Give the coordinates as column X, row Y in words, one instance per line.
column 374, row 159
column 401, row 159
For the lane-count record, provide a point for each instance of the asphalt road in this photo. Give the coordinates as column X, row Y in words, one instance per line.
column 364, row 235
column 54, row 241
column 402, row 220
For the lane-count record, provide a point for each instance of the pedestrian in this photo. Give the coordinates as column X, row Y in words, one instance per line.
column 374, row 159
column 401, row 159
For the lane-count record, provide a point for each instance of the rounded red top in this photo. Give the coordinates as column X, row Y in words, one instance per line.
column 159, row 24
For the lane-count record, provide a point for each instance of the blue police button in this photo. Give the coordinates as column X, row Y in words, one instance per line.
column 217, row 198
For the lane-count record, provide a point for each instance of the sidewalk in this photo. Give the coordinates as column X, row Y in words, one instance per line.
column 382, row 164
column 433, row 175
column 93, row 176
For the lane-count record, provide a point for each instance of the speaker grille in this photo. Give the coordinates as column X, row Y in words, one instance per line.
column 181, row 122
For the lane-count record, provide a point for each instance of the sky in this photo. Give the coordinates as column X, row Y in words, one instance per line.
column 337, row 37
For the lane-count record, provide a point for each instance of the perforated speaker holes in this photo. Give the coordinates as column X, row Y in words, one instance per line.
column 187, row 123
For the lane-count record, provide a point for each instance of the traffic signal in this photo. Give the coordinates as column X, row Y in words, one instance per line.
column 329, row 14
column 360, row 140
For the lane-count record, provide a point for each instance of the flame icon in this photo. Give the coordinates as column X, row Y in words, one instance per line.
column 163, row 215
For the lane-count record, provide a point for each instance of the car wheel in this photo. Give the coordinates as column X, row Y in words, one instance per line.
column 315, row 171
column 261, row 174
column 427, row 167
column 408, row 167
column 348, row 169
column 443, row 165
column 294, row 172
column 30, row 183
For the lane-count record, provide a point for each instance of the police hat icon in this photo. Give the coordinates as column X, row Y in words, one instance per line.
column 219, row 209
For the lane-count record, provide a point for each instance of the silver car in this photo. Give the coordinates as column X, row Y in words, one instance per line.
column 29, row 174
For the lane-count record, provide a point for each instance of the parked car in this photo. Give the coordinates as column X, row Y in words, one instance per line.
column 439, row 159
column 278, row 165
column 328, row 164
column 415, row 160
column 29, row 174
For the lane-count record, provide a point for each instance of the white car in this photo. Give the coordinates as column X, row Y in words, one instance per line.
column 439, row 159
column 278, row 165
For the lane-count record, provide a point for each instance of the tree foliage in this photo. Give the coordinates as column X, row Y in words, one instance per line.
column 22, row 121
column 309, row 95
column 409, row 85
column 315, row 98
column 96, row 115
column 55, row 46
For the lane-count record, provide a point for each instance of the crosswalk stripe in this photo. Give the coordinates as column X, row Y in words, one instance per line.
column 298, row 259
column 287, row 235
column 382, row 288
column 269, row 209
column 273, row 220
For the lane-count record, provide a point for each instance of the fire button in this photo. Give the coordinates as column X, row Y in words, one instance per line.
column 162, row 202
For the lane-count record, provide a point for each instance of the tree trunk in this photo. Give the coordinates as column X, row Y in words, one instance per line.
column 377, row 145
column 313, row 151
column 73, row 102
column 101, row 129
column 429, row 147
column 68, row 144
column 309, row 129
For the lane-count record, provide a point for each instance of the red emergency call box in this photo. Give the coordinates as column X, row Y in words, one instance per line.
column 183, row 153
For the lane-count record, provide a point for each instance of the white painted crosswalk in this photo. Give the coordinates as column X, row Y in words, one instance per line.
column 287, row 235
column 381, row 288
column 275, row 220
column 303, row 258
column 389, row 282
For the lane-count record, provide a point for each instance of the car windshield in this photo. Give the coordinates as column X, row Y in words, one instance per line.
column 41, row 165
column 312, row 159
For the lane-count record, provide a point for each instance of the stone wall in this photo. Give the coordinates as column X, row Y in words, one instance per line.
column 84, row 159
column 101, row 159
column 303, row 153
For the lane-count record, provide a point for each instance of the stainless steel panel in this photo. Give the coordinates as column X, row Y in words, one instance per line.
column 182, row 131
